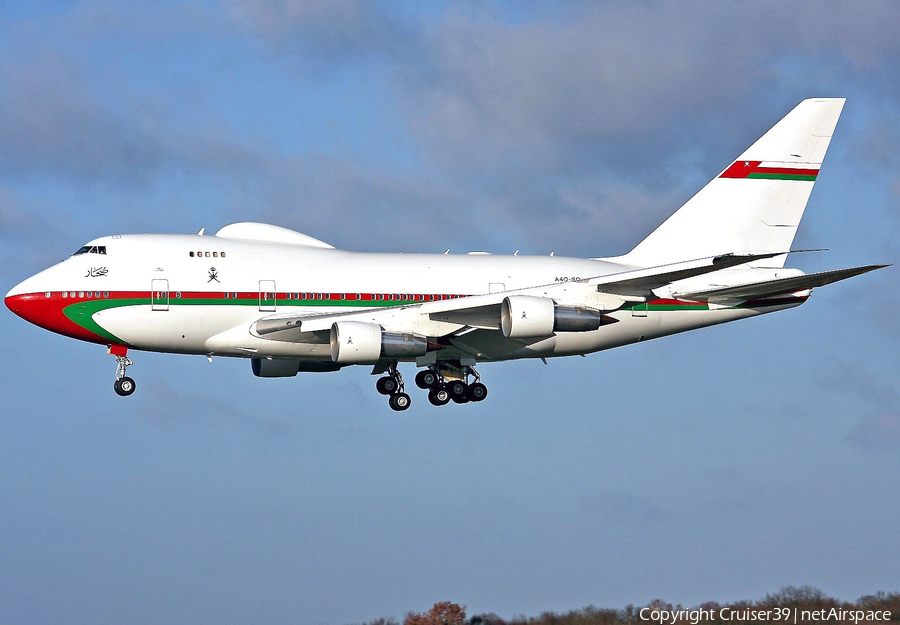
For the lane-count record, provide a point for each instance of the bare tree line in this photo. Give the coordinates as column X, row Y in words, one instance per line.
column 807, row 604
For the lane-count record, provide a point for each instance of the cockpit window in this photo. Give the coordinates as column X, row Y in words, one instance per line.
column 91, row 249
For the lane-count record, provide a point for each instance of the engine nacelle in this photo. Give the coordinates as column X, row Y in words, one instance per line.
column 528, row 316
column 275, row 368
column 356, row 342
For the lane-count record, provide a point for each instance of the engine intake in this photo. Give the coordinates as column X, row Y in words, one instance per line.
column 528, row 316
column 356, row 342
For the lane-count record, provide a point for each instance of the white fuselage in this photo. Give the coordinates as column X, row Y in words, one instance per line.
column 202, row 295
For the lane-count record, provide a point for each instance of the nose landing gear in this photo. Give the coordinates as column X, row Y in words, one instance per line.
column 124, row 385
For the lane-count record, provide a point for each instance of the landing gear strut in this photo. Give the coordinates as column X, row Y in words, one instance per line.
column 476, row 391
column 392, row 384
column 124, row 385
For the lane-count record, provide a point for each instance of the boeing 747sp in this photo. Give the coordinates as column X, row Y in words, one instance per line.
column 291, row 303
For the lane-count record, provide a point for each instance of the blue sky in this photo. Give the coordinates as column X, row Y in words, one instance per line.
column 715, row 465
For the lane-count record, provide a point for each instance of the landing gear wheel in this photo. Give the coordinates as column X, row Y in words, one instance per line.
column 124, row 386
column 438, row 396
column 476, row 392
column 399, row 401
column 427, row 379
column 461, row 399
column 386, row 385
column 456, row 388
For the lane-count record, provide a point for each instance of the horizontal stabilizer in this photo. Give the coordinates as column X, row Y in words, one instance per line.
column 640, row 282
column 772, row 288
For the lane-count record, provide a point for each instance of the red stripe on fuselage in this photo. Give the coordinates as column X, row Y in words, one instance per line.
column 47, row 312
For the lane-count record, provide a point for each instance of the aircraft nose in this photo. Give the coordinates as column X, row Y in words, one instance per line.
column 51, row 310
column 17, row 301
column 26, row 298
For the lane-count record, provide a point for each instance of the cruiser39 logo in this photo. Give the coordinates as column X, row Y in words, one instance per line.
column 96, row 272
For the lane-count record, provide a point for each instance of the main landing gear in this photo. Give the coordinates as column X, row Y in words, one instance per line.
column 444, row 384
column 442, row 391
column 392, row 384
column 124, row 385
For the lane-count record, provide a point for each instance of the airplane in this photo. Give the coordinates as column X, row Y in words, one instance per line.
column 291, row 303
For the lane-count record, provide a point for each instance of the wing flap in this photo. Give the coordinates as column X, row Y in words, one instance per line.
column 770, row 288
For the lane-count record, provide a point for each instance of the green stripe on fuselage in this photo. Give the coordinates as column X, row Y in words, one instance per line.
column 658, row 307
column 82, row 313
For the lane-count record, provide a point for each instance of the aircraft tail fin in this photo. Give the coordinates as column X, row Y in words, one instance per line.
column 755, row 204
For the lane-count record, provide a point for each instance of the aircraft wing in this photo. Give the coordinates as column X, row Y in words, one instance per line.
column 483, row 311
column 770, row 288
column 474, row 310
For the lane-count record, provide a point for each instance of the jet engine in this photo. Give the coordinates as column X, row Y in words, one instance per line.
column 355, row 342
column 528, row 316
